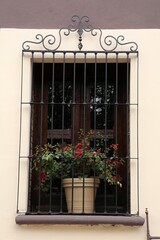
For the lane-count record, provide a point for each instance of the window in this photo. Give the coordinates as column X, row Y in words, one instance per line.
column 80, row 96
column 79, row 91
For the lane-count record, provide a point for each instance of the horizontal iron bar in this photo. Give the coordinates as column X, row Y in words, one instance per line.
column 131, row 158
column 79, row 52
column 67, row 134
column 73, row 104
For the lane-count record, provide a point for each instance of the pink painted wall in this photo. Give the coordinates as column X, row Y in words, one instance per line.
column 57, row 13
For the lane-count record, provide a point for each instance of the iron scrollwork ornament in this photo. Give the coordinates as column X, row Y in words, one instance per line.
column 80, row 25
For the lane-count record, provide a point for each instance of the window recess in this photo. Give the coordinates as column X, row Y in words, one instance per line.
column 90, row 91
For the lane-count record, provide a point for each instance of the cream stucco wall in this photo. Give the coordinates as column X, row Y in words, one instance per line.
column 149, row 131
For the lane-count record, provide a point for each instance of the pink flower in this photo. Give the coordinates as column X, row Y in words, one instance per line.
column 66, row 148
column 114, row 146
column 98, row 150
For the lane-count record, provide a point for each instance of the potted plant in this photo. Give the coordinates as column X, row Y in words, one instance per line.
column 81, row 166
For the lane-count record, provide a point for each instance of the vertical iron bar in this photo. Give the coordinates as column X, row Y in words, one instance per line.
column 42, row 102
column 105, row 137
column 84, row 95
column 138, row 132
column 52, row 117
column 127, row 133
column 53, row 93
column 73, row 125
column 41, row 129
column 74, row 98
column 116, row 116
column 95, row 104
column 84, row 122
column 63, row 106
column 95, row 118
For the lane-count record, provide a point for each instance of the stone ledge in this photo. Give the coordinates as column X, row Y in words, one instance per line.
column 76, row 219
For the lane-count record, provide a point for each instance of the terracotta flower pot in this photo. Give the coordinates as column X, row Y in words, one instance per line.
column 87, row 194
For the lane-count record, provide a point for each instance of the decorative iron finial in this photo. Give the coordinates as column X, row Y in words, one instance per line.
column 80, row 32
column 79, row 24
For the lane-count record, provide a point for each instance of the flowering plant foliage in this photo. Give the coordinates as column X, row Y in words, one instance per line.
column 89, row 157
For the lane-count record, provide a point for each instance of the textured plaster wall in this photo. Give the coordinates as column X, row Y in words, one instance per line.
column 149, row 131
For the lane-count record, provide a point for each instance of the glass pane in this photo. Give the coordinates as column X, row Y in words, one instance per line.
column 59, row 114
column 101, row 100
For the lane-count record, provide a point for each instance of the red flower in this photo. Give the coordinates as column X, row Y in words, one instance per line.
column 66, row 148
column 79, row 145
column 114, row 146
column 98, row 150
column 43, row 176
column 78, row 152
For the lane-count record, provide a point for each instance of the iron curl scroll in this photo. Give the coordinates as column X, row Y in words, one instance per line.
column 80, row 25
column 113, row 42
column 48, row 40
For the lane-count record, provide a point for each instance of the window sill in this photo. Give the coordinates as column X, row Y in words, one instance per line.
column 76, row 219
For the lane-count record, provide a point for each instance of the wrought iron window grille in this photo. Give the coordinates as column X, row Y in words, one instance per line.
column 101, row 74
